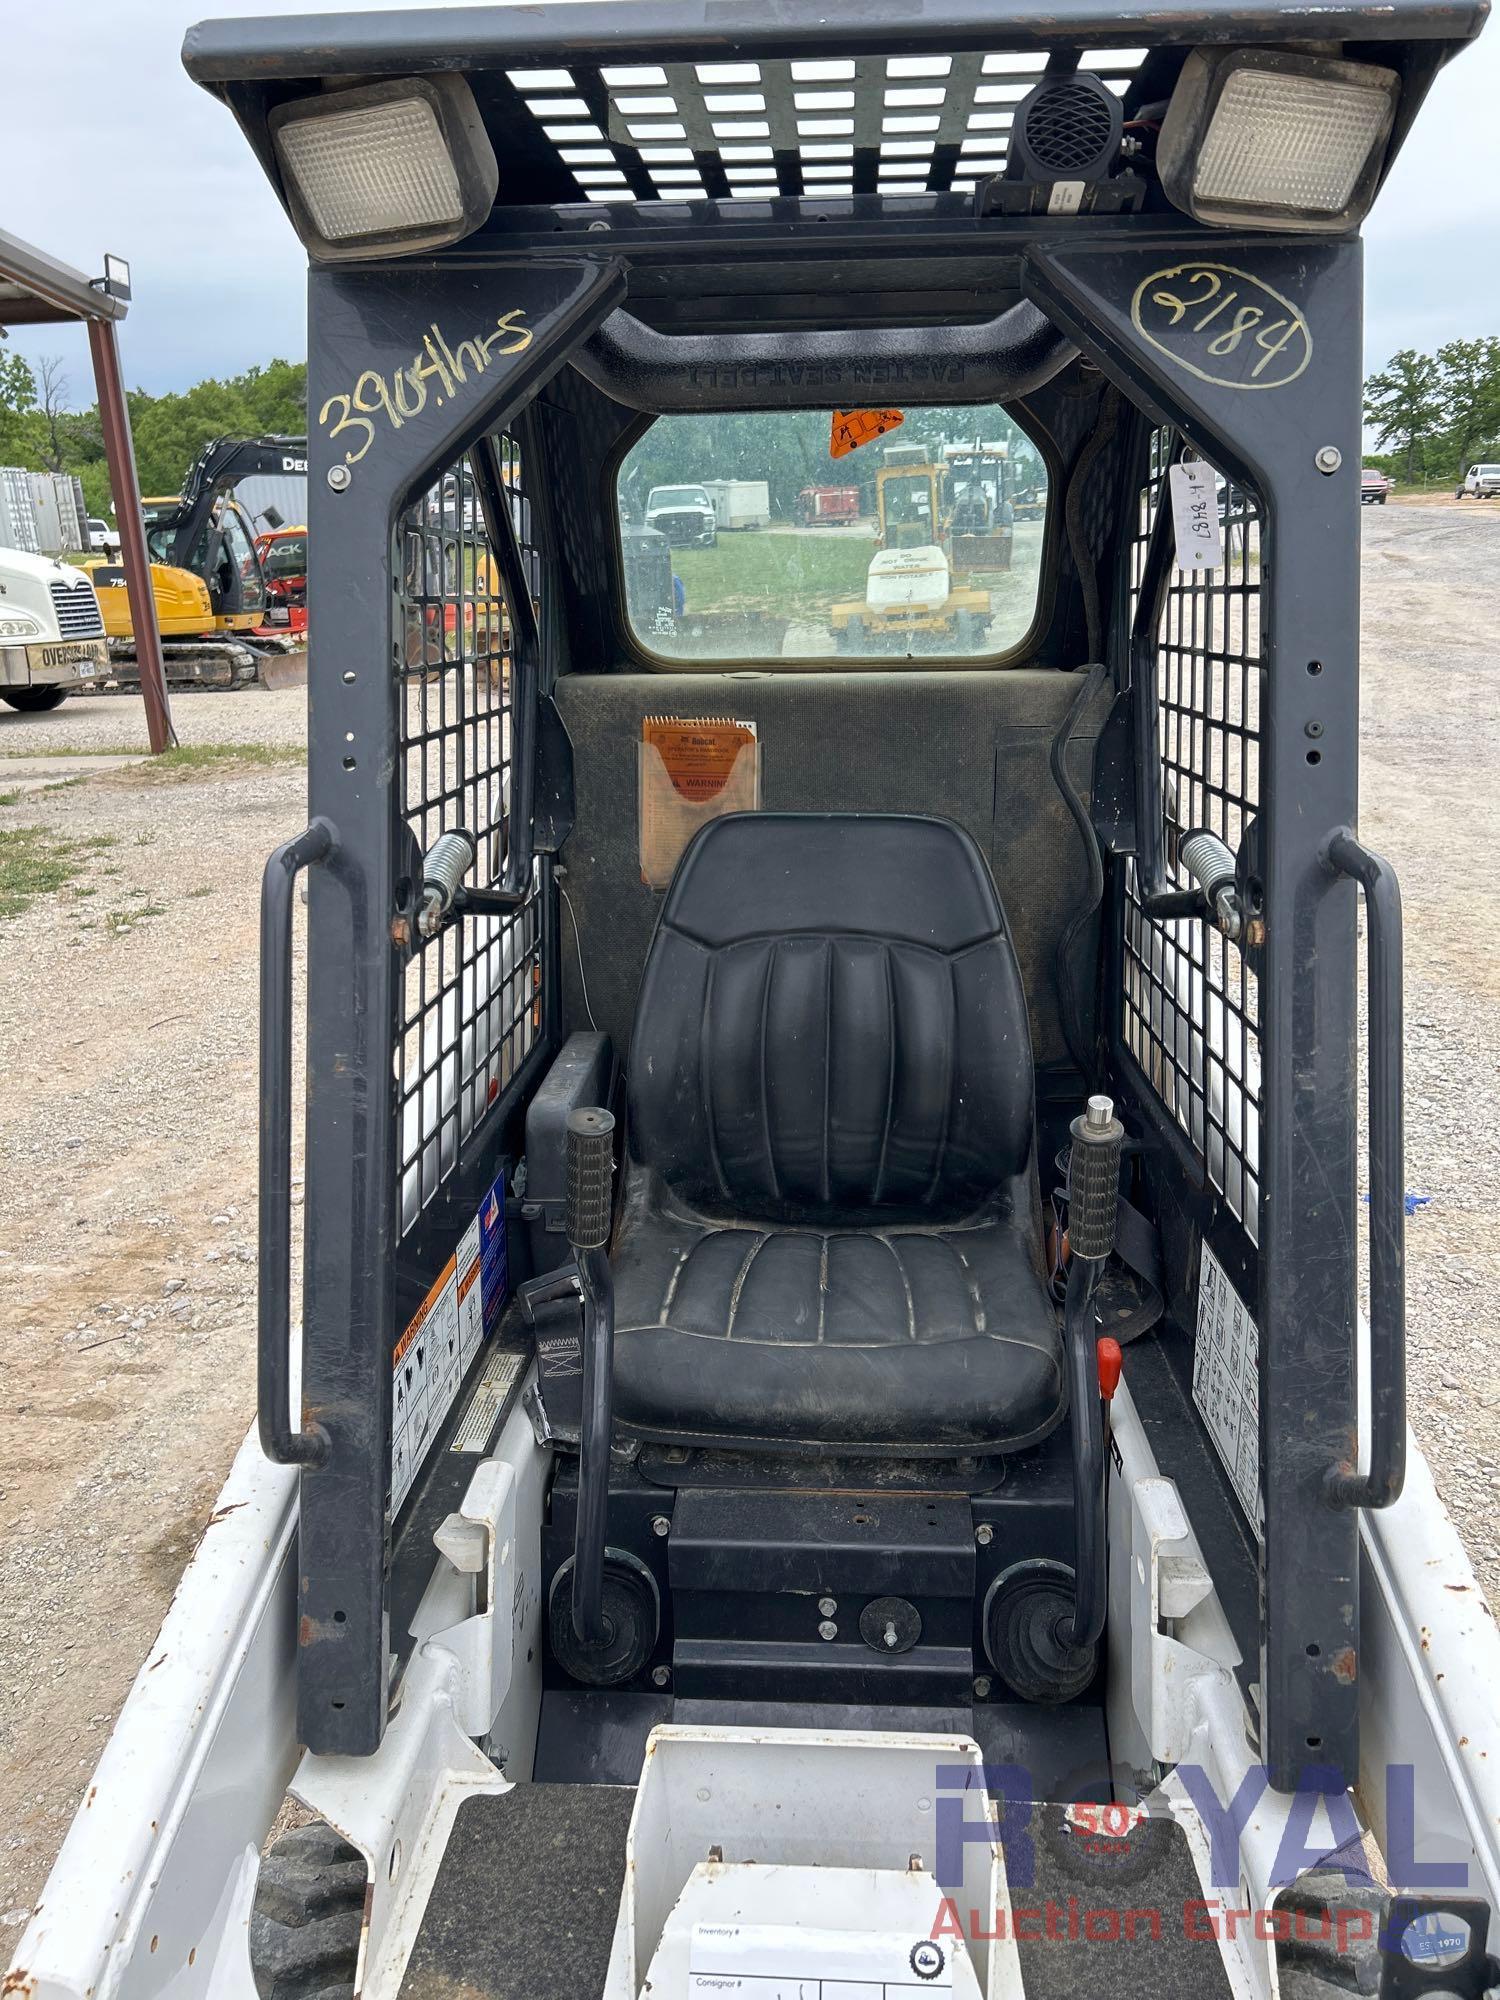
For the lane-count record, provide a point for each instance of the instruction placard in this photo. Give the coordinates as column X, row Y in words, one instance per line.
column 790, row 1962
column 446, row 1332
column 1226, row 1382
column 692, row 769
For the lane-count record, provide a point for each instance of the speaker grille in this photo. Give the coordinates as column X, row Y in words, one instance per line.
column 1069, row 129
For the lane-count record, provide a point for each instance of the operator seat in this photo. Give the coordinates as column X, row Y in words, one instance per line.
column 830, row 1237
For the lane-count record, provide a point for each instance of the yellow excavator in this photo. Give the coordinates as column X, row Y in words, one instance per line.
column 206, row 575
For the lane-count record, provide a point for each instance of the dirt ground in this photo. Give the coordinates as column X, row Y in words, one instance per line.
column 127, row 1138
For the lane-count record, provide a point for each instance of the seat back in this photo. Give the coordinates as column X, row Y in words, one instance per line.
column 832, row 1021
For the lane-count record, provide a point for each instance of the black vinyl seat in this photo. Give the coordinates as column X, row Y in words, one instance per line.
column 830, row 1236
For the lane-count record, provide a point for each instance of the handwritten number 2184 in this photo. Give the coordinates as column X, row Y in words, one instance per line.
column 1207, row 309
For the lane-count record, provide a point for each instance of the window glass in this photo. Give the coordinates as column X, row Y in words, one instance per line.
column 743, row 539
column 287, row 556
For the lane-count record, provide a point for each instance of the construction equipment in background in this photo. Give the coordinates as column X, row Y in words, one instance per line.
column 827, row 506
column 207, row 578
column 980, row 517
column 283, row 562
column 912, row 603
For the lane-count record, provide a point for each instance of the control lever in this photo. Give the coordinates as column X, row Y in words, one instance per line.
column 1093, row 1200
column 588, row 1212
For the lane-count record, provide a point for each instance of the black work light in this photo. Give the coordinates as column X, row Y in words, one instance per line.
column 1264, row 140
column 386, row 168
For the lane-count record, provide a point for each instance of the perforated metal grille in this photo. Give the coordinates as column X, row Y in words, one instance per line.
column 1191, row 1005
column 471, row 996
column 815, row 127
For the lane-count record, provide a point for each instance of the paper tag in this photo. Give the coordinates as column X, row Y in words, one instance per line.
column 1066, row 197
column 792, row 1962
column 1195, row 516
column 1226, row 1382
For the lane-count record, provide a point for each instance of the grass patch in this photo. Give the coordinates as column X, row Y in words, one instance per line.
column 136, row 913
column 35, row 862
column 750, row 587
column 797, row 574
column 195, row 760
column 203, row 889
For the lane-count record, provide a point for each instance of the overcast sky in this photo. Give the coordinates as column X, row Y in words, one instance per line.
column 116, row 150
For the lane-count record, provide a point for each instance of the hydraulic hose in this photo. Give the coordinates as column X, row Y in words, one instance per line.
column 1090, row 1586
column 593, row 1465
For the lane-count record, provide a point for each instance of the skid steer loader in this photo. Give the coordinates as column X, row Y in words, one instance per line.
column 828, row 1445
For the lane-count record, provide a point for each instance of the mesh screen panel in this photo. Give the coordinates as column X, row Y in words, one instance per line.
column 831, row 126
column 470, row 1003
column 1190, row 1000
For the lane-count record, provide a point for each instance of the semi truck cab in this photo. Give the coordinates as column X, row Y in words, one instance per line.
column 51, row 634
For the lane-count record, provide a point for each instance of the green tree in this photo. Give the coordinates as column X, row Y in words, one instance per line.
column 1404, row 406
column 1468, row 377
column 39, row 431
column 21, row 429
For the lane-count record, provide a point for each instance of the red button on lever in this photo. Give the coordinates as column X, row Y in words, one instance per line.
column 1111, row 1361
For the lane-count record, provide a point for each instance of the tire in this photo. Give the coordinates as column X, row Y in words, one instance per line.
column 1380, row 501
column 34, row 700
column 308, row 1913
column 853, row 638
column 968, row 632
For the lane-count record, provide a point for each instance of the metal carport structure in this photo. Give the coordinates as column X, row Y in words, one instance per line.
column 38, row 290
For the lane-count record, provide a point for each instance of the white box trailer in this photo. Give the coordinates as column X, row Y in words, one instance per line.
column 740, row 503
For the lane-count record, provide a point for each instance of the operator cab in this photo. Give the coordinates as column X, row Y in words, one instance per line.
column 830, row 1349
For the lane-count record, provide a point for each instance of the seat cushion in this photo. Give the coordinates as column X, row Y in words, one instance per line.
column 902, row 1338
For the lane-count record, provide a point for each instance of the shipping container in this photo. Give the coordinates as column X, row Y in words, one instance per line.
column 57, row 505
column 17, row 515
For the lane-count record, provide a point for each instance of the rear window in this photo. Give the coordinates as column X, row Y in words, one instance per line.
column 287, row 556
column 743, row 539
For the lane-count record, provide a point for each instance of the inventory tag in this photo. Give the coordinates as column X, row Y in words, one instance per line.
column 793, row 1962
column 1195, row 516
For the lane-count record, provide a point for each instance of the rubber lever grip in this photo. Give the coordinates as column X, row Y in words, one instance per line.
column 590, row 1177
column 1094, row 1179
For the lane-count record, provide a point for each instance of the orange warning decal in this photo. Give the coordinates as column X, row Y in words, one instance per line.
column 852, row 428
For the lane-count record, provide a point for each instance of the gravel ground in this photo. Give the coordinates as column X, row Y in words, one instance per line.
column 99, row 724
column 127, row 1142
column 1430, row 779
column 127, row 1262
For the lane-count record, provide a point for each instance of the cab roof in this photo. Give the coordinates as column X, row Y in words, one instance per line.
column 617, row 105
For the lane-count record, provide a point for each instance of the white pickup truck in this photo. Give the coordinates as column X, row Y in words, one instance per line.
column 51, row 632
column 1481, row 482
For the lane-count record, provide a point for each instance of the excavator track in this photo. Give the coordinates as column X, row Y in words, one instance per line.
column 222, row 665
